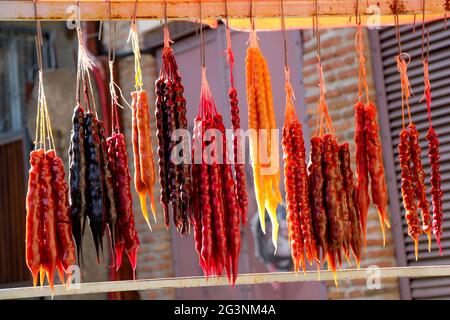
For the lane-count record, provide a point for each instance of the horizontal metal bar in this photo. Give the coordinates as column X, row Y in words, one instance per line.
column 244, row 279
column 211, row 9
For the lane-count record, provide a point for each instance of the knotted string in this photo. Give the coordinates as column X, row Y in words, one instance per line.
column 425, row 60
column 322, row 108
column 290, row 97
column 362, row 76
column 43, row 123
column 137, row 55
column 85, row 65
column 207, row 107
column 427, row 89
column 230, row 55
column 402, row 67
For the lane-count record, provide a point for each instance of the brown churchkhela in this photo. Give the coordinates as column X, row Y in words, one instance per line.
column 375, row 165
column 333, row 207
column 362, row 173
column 317, row 183
column 354, row 231
column 175, row 178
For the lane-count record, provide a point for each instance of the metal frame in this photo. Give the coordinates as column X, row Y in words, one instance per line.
column 388, row 154
column 212, row 9
column 252, row 278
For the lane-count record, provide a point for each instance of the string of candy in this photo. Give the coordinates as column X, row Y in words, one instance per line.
column 359, row 45
column 322, row 104
column 205, row 93
column 252, row 20
column 230, row 55
column 208, row 101
column 137, row 55
column 169, row 71
column 84, row 66
column 425, row 60
column 113, row 86
column 433, row 146
column 202, row 43
column 413, row 186
column 283, row 28
column 290, row 97
column 402, row 67
column 133, row 35
column 322, row 108
column 43, row 123
column 112, row 91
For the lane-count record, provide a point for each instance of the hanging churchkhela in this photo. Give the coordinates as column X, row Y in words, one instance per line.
column 124, row 230
column 90, row 178
column 144, row 169
column 404, row 154
column 413, row 175
column 215, row 209
column 261, row 122
column 49, row 242
column 239, row 169
column 333, row 202
column 434, row 156
column 174, row 177
column 369, row 158
column 298, row 210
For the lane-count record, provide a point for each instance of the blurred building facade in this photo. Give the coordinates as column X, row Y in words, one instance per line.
column 163, row 253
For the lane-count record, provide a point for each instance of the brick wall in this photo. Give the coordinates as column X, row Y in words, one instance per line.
column 340, row 64
column 155, row 253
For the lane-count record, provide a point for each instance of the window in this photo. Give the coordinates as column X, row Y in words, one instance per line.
column 17, row 73
column 384, row 45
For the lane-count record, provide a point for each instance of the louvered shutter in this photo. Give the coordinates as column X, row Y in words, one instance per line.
column 439, row 67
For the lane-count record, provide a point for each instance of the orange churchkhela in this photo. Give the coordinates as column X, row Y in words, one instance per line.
column 261, row 121
column 298, row 211
column 144, row 174
column 369, row 157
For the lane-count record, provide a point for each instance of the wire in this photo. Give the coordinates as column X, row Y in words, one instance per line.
column 202, row 40
column 283, row 28
column 252, row 20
